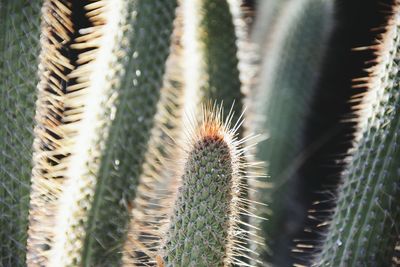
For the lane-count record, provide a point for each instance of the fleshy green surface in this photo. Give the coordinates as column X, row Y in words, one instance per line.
column 200, row 224
column 19, row 47
column 138, row 94
column 217, row 44
column 364, row 227
column 291, row 52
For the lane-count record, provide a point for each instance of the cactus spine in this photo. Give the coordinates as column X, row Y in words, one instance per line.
column 19, row 46
column 203, row 226
column 364, row 228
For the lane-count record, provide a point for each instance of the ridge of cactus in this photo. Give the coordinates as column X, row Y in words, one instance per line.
column 281, row 104
column 204, row 226
column 73, row 112
column 363, row 229
column 157, row 183
column 19, row 46
column 149, row 27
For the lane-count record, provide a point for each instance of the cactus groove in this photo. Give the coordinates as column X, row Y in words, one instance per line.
column 364, row 228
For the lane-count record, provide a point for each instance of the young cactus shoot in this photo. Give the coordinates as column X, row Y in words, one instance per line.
column 203, row 228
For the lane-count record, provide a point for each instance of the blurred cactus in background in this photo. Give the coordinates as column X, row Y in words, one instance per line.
column 292, row 53
column 142, row 150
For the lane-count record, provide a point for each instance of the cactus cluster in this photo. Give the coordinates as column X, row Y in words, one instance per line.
column 125, row 140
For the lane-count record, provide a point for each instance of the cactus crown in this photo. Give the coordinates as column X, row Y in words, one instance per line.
column 203, row 229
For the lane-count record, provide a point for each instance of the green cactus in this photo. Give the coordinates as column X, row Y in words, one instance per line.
column 292, row 53
column 19, row 46
column 202, row 226
column 212, row 63
column 211, row 42
column 72, row 116
column 104, row 85
column 364, row 227
column 137, row 104
column 157, row 182
column 104, row 176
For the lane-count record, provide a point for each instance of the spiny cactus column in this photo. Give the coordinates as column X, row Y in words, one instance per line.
column 150, row 29
column 211, row 53
column 291, row 55
column 364, row 227
column 19, row 47
column 202, row 226
column 78, row 68
column 157, row 182
column 291, row 51
column 101, row 71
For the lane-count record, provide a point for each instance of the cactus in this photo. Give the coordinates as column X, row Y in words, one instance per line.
column 86, row 148
column 119, row 177
column 363, row 230
column 140, row 92
column 211, row 51
column 19, row 46
column 157, row 183
column 71, row 115
column 282, row 103
column 211, row 41
column 202, row 226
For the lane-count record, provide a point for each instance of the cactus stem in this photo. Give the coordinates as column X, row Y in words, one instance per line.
column 363, row 229
column 72, row 100
column 157, row 183
column 208, row 205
